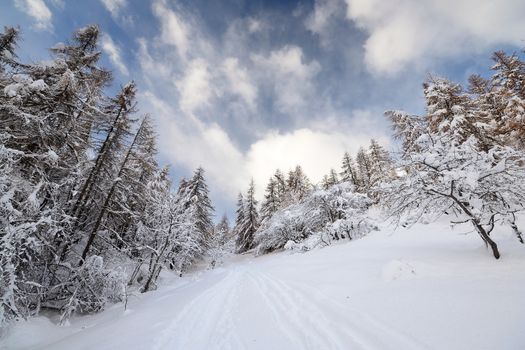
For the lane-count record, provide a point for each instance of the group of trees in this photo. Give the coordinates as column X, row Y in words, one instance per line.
column 371, row 167
column 465, row 157
column 293, row 209
column 84, row 207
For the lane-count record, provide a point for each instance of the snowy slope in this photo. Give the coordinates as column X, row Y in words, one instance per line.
column 429, row 287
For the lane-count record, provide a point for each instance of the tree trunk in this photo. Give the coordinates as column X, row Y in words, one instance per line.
column 482, row 232
column 107, row 200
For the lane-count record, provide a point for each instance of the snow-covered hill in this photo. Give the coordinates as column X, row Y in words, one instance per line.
column 429, row 287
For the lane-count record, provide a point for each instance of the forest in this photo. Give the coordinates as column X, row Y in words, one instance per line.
column 88, row 216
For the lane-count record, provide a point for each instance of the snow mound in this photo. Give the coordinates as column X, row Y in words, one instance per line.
column 397, row 269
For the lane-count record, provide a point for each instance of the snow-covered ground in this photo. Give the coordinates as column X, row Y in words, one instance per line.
column 429, row 287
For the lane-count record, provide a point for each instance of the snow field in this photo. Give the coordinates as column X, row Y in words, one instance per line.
column 428, row 287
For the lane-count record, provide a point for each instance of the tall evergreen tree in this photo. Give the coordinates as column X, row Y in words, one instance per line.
column 364, row 167
column 250, row 221
column 297, row 185
column 349, row 171
column 272, row 200
column 381, row 166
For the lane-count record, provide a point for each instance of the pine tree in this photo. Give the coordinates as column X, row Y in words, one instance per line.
column 329, row 180
column 49, row 111
column 222, row 243
column 349, row 172
column 194, row 221
column 280, row 184
column 272, row 200
column 8, row 43
column 239, row 214
column 222, row 229
column 364, row 168
column 156, row 231
column 105, row 169
column 381, row 164
column 297, row 186
column 250, row 221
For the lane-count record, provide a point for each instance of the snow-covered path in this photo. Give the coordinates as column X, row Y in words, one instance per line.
column 426, row 288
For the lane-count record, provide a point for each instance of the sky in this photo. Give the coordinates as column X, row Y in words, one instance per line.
column 243, row 87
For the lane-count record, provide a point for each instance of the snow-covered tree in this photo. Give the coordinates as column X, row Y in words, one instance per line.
column 194, row 228
column 249, row 224
column 348, row 170
column 222, row 243
column 156, row 231
column 330, row 179
column 322, row 216
column 272, row 200
column 449, row 169
column 364, row 167
column 297, row 186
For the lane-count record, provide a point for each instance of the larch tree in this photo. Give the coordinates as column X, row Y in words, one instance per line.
column 451, row 169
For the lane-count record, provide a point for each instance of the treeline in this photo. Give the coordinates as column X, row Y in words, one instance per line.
column 294, row 209
column 85, row 210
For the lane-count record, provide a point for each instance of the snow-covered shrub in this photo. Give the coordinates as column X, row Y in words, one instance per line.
column 89, row 288
column 325, row 215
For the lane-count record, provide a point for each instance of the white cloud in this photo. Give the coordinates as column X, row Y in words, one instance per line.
column 195, row 87
column 38, row 10
column 113, row 51
column 405, row 32
column 241, row 111
column 114, row 6
column 174, row 31
column 291, row 76
column 192, row 144
column 321, row 16
column 239, row 81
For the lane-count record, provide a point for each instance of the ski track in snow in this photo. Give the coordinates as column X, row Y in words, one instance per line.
column 304, row 316
column 211, row 312
column 318, row 322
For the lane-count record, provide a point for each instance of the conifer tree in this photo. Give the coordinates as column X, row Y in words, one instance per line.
column 381, row 165
column 349, row 171
column 297, row 185
column 272, row 200
column 250, row 221
column 364, row 168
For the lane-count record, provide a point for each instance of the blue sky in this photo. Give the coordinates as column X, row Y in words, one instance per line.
column 242, row 87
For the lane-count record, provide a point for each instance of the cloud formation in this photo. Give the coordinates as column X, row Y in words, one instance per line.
column 268, row 92
column 114, row 52
column 405, row 32
column 37, row 10
column 114, row 6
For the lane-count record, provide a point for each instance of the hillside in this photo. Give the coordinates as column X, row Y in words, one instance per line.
column 428, row 287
